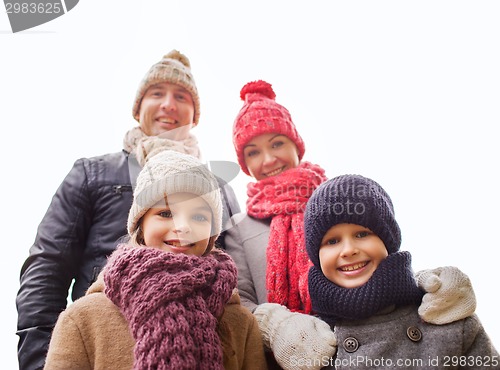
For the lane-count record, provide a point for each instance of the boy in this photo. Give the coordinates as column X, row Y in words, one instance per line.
column 364, row 288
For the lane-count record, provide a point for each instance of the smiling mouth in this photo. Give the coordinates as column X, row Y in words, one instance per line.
column 179, row 243
column 167, row 121
column 275, row 172
column 354, row 267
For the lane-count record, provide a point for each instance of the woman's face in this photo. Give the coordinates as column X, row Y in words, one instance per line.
column 270, row 154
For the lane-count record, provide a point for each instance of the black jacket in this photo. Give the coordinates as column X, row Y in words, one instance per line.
column 83, row 225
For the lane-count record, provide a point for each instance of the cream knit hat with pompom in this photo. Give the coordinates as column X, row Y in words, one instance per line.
column 170, row 172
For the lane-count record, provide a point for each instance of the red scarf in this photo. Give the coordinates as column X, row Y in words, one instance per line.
column 284, row 198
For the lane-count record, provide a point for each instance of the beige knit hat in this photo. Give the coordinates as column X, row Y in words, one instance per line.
column 173, row 68
column 170, row 172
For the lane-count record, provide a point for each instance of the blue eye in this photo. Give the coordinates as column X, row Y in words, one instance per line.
column 331, row 241
column 252, row 153
column 180, row 97
column 200, row 218
column 156, row 93
column 362, row 234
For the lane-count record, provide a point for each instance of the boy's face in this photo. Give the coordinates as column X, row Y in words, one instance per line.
column 349, row 254
column 165, row 107
column 180, row 224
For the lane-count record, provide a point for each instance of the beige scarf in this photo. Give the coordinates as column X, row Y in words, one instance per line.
column 144, row 146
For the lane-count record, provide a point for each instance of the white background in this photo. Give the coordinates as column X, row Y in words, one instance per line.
column 406, row 93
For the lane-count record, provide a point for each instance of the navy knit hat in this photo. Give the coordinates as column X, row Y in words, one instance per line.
column 351, row 199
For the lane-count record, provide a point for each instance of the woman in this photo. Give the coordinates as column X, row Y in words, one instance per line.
column 267, row 243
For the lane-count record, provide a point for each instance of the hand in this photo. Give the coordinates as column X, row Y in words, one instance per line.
column 298, row 341
column 449, row 295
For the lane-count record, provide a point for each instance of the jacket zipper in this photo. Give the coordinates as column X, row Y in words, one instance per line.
column 119, row 189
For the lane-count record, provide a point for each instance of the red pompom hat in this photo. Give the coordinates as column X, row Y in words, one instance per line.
column 262, row 115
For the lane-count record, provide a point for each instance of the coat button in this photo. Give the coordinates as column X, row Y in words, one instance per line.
column 351, row 344
column 414, row 333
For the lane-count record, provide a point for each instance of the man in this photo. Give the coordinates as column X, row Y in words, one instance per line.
column 88, row 213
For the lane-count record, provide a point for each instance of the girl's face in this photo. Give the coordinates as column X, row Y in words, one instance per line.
column 268, row 155
column 180, row 224
column 349, row 254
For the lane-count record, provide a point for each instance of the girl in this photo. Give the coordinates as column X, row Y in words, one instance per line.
column 267, row 243
column 166, row 299
column 363, row 286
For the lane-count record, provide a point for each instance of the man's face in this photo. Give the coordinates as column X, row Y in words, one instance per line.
column 165, row 107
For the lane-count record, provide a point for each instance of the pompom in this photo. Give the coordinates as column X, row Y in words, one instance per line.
column 177, row 55
column 258, row 87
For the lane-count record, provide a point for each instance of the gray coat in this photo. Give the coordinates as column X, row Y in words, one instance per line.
column 383, row 340
column 246, row 242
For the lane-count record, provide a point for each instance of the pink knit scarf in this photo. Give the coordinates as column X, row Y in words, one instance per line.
column 172, row 303
column 284, row 197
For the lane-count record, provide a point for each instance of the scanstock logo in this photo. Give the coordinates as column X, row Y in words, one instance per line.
column 25, row 14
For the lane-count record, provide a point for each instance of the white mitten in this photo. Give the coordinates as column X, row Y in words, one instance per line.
column 298, row 341
column 449, row 295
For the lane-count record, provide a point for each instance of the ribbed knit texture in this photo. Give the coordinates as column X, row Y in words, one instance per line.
column 172, row 303
column 173, row 68
column 171, row 172
column 449, row 295
column 284, row 197
column 259, row 115
column 392, row 283
column 352, row 199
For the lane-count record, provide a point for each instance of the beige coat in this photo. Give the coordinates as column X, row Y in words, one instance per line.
column 93, row 334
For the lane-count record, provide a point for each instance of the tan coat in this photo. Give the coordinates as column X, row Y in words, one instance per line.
column 93, row 334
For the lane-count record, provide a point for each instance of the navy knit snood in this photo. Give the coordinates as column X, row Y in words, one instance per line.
column 392, row 283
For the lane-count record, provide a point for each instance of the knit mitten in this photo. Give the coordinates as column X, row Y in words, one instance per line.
column 449, row 295
column 298, row 341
